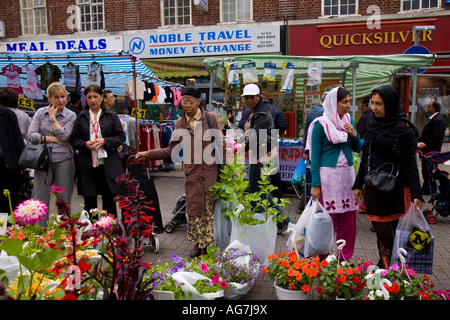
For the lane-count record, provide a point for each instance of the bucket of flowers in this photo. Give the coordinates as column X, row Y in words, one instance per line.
column 293, row 275
column 340, row 279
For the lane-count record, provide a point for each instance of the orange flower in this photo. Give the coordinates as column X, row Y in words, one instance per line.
column 264, row 270
column 305, row 288
column 349, row 272
column 343, row 278
column 292, row 286
column 340, row 271
column 296, row 265
column 324, row 263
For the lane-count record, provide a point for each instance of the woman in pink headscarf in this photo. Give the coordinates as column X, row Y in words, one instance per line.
column 331, row 141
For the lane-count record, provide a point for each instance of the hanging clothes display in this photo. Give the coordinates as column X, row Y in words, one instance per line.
column 33, row 88
column 12, row 73
column 176, row 96
column 72, row 77
column 149, row 138
column 49, row 73
column 95, row 75
column 130, row 89
column 169, row 94
column 131, row 130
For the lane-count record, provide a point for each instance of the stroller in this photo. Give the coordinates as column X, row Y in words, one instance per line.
column 441, row 197
column 179, row 215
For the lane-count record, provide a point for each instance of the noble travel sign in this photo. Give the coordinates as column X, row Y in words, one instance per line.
column 204, row 42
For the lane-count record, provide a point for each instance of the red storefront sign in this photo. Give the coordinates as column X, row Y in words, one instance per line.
column 393, row 37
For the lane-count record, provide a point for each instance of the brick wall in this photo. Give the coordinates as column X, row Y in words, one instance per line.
column 145, row 14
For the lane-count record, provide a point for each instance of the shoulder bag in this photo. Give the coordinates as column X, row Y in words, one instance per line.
column 35, row 156
column 380, row 180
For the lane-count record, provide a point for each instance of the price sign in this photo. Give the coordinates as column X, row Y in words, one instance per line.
column 140, row 113
column 26, row 103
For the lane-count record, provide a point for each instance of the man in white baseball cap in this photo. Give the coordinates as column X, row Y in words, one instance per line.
column 250, row 89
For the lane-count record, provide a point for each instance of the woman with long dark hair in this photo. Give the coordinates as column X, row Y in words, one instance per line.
column 332, row 139
column 389, row 137
column 96, row 135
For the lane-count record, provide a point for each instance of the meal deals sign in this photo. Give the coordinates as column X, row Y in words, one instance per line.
column 224, row 41
column 60, row 45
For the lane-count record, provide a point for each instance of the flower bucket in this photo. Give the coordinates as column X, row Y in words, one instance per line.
column 163, row 295
column 4, row 218
column 285, row 294
column 260, row 238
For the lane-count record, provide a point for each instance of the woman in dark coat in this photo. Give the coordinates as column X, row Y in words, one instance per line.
column 192, row 134
column 96, row 135
column 392, row 138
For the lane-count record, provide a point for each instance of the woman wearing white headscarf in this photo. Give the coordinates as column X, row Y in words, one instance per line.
column 332, row 139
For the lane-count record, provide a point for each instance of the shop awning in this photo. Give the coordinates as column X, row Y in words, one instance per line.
column 177, row 67
column 370, row 71
column 117, row 66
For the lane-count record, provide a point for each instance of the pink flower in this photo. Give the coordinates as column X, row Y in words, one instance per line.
column 30, row 212
column 223, row 284
column 215, row 279
column 56, row 190
column 105, row 223
column 204, row 268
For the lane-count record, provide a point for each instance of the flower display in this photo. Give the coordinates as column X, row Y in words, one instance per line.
column 105, row 222
column 30, row 212
column 342, row 279
column 293, row 272
column 402, row 284
column 56, row 190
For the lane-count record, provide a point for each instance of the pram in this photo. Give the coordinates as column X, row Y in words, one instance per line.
column 179, row 215
column 147, row 185
column 440, row 199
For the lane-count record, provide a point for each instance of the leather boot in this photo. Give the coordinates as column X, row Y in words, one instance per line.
column 195, row 252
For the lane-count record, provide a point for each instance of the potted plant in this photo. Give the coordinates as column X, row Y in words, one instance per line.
column 398, row 283
column 293, row 275
column 253, row 217
column 340, row 280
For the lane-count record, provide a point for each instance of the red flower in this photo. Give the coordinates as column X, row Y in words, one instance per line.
column 69, row 296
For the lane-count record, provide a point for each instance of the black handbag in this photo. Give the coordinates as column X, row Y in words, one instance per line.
column 380, row 180
column 36, row 156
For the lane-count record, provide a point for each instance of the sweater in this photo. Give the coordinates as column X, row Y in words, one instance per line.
column 326, row 154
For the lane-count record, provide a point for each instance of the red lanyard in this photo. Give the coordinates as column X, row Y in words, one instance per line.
column 95, row 126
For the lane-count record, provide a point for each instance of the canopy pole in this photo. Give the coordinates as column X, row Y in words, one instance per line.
column 136, row 132
column 354, row 67
column 413, row 108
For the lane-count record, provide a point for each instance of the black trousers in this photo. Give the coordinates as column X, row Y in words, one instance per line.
column 102, row 188
column 9, row 179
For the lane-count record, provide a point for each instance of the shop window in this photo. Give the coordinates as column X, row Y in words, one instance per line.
column 339, row 7
column 408, row 5
column 236, row 10
column 33, row 16
column 176, row 12
column 91, row 14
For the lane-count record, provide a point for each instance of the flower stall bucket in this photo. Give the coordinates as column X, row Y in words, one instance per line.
column 4, row 218
column 285, row 294
column 260, row 238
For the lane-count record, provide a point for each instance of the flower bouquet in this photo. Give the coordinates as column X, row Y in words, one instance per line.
column 293, row 272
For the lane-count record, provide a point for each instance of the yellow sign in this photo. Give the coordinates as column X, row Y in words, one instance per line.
column 26, row 103
column 140, row 113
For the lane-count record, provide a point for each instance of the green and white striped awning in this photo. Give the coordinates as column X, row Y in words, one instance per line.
column 371, row 71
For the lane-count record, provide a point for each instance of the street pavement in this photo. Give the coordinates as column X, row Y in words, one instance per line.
column 170, row 186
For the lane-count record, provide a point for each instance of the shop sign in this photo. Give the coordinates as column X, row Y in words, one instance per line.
column 204, row 42
column 393, row 37
column 60, row 45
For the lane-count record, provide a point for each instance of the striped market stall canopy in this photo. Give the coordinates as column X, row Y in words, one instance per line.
column 117, row 66
column 370, row 71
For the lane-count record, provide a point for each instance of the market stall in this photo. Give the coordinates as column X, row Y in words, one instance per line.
column 295, row 84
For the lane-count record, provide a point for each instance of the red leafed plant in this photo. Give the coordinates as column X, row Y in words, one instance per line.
column 122, row 279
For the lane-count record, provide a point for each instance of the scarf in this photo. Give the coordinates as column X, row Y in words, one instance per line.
column 94, row 133
column 393, row 114
column 331, row 122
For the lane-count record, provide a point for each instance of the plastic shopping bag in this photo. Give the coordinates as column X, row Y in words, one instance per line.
column 296, row 240
column 261, row 238
column 298, row 177
column 319, row 236
column 222, row 226
column 414, row 234
column 188, row 280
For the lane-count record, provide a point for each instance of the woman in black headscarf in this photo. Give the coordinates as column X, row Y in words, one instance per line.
column 391, row 138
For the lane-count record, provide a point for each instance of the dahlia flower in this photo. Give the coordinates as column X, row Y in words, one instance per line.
column 30, row 212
